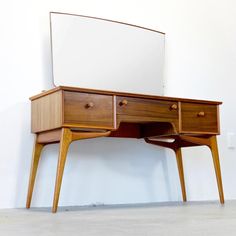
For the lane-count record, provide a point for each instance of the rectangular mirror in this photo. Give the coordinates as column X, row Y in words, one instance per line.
column 95, row 53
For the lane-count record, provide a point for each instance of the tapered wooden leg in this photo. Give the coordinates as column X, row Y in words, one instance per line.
column 188, row 141
column 66, row 139
column 179, row 160
column 34, row 166
column 216, row 161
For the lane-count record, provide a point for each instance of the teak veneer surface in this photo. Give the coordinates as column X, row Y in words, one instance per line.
column 46, row 112
column 82, row 108
column 199, row 118
column 146, row 107
column 105, row 92
column 65, row 114
column 89, row 109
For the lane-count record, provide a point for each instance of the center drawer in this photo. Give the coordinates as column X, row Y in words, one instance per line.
column 93, row 110
column 129, row 106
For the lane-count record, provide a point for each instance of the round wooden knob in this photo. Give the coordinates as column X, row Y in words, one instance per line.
column 173, row 107
column 124, row 102
column 89, row 105
column 201, row 114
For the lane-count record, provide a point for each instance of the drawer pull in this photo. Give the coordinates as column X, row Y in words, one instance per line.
column 201, row 114
column 173, row 107
column 123, row 102
column 89, row 105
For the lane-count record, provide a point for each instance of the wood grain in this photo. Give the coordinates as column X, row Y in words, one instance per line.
column 122, row 94
column 52, row 136
column 200, row 118
column 46, row 112
column 66, row 139
column 76, row 109
column 127, row 130
column 146, row 110
column 33, row 170
column 65, row 114
column 68, row 136
column 179, row 161
column 191, row 141
column 215, row 156
column 146, row 107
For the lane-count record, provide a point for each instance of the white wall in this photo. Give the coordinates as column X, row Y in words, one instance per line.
column 200, row 63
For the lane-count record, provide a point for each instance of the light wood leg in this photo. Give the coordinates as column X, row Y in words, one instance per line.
column 65, row 136
column 215, row 155
column 176, row 147
column 66, row 139
column 188, row 141
column 179, row 160
column 33, row 171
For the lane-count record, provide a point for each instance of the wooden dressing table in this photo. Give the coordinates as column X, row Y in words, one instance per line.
column 66, row 114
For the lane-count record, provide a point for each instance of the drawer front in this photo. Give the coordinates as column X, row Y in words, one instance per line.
column 88, row 109
column 138, row 107
column 199, row 118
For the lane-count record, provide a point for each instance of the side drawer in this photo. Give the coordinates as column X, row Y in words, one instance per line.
column 129, row 106
column 90, row 110
column 199, row 118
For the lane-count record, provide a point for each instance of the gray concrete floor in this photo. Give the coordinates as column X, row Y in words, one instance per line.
column 197, row 218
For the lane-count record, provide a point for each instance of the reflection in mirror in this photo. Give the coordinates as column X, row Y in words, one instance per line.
column 94, row 53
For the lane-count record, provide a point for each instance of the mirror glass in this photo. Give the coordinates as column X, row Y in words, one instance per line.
column 94, row 53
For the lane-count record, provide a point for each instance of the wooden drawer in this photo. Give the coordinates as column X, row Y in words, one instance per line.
column 87, row 109
column 129, row 106
column 199, row 118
